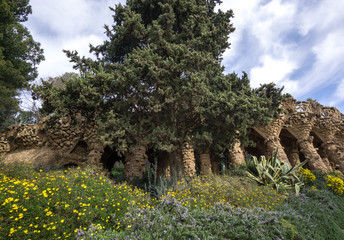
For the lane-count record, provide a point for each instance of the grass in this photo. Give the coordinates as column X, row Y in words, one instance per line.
column 85, row 204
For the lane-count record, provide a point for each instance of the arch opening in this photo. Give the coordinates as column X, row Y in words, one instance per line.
column 291, row 147
column 258, row 147
column 80, row 149
column 110, row 157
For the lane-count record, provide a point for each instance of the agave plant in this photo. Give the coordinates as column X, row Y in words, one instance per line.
column 280, row 174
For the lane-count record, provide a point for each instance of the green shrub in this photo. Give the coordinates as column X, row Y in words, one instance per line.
column 335, row 183
column 306, row 175
column 315, row 215
column 117, row 172
column 172, row 220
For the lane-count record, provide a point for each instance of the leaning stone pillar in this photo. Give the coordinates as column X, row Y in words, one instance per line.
column 236, row 153
column 205, row 163
column 314, row 160
column 164, row 168
column 274, row 143
column 175, row 159
column 294, row 157
column 189, row 161
column 333, row 154
column 214, row 159
column 135, row 161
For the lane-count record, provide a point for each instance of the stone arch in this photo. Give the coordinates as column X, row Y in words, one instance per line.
column 318, row 145
column 80, row 148
column 109, row 158
column 291, row 147
column 259, row 149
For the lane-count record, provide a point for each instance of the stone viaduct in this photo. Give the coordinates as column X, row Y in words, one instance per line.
column 306, row 130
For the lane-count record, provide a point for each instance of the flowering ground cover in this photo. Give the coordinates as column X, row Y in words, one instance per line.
column 54, row 204
column 85, row 204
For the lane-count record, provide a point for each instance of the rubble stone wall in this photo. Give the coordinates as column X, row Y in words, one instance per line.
column 80, row 143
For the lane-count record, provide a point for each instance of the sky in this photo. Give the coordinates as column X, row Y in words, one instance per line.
column 295, row 44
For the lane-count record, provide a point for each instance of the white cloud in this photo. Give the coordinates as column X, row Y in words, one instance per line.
column 339, row 93
column 320, row 16
column 271, row 22
column 298, row 44
column 272, row 70
column 328, row 64
column 70, row 25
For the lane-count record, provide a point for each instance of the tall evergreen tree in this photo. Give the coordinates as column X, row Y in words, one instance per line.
column 158, row 79
column 19, row 55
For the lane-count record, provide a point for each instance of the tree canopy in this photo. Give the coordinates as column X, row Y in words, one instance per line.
column 158, row 80
column 19, row 56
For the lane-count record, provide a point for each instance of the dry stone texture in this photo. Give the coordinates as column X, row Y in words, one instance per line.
column 307, row 130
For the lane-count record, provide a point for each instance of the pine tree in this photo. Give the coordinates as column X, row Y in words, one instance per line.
column 19, row 55
column 158, row 80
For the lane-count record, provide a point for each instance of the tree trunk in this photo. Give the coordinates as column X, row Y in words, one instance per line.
column 333, row 154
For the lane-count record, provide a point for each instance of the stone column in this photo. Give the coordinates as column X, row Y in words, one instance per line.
column 135, row 161
column 205, row 163
column 271, row 134
column 175, row 159
column 214, row 159
column 333, row 154
column 164, row 167
column 188, row 160
column 95, row 154
column 294, row 157
column 236, row 153
column 314, row 160
column 273, row 143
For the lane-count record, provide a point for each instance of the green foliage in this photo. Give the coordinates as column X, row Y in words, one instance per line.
column 315, row 214
column 156, row 185
column 19, row 56
column 278, row 173
column 82, row 204
column 158, row 79
column 117, row 172
column 171, row 220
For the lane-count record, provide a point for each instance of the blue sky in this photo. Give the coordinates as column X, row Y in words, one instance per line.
column 296, row 44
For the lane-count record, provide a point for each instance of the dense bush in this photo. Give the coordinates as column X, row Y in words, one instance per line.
column 336, row 184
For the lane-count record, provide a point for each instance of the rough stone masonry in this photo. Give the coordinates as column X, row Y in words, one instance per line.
column 306, row 130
